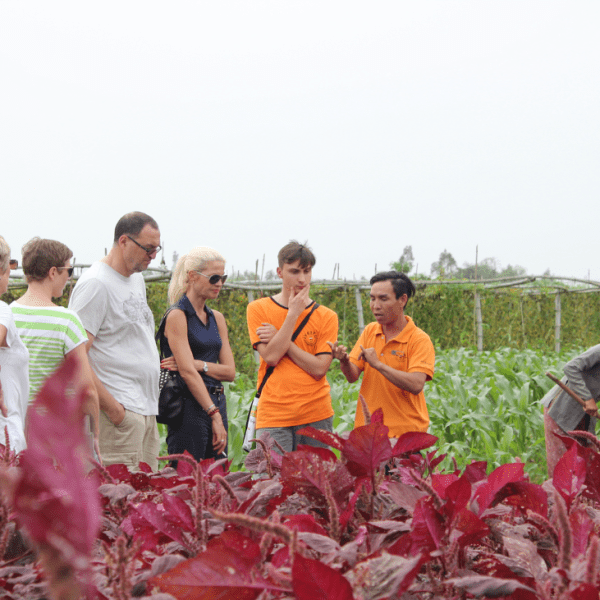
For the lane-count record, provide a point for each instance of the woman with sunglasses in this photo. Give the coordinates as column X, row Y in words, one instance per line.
column 196, row 343
column 49, row 331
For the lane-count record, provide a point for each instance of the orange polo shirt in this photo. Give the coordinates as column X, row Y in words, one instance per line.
column 410, row 351
column 291, row 396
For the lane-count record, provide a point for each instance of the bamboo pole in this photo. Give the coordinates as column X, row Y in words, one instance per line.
column 567, row 389
column 479, row 322
column 255, row 352
column 359, row 310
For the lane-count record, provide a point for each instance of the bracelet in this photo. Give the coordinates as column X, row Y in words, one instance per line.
column 211, row 410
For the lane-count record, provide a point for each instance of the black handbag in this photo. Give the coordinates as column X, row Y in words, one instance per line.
column 172, row 387
column 171, row 398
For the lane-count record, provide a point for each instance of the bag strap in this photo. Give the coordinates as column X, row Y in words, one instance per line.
column 296, row 333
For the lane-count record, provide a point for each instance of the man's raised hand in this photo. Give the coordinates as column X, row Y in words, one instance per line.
column 297, row 302
column 338, row 351
column 369, row 355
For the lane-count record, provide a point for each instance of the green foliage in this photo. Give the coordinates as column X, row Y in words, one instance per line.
column 482, row 406
column 446, row 312
column 486, row 406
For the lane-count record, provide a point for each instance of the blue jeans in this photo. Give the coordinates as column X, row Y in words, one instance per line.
column 288, row 438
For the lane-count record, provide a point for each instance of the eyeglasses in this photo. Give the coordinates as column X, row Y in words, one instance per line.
column 148, row 251
column 69, row 270
column 214, row 279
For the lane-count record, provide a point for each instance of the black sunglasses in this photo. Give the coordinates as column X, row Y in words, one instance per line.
column 148, row 250
column 69, row 270
column 214, row 279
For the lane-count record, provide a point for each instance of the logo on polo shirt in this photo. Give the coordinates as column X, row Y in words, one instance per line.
column 310, row 338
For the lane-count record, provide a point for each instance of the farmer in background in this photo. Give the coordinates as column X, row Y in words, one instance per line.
column 110, row 299
column 297, row 392
column 562, row 413
column 397, row 358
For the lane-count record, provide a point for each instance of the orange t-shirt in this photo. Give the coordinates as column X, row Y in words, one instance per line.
column 291, row 396
column 410, row 351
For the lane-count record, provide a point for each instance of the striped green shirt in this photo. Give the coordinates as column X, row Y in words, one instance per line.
column 49, row 332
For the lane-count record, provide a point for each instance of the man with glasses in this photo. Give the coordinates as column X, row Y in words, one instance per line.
column 110, row 299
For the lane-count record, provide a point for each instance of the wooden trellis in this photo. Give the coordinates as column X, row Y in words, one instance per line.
column 527, row 286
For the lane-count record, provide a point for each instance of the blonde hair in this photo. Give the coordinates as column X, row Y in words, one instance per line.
column 4, row 255
column 194, row 260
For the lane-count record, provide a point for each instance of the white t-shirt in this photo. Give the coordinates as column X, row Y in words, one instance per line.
column 114, row 310
column 14, row 375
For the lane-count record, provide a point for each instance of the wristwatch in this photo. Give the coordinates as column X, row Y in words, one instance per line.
column 205, row 367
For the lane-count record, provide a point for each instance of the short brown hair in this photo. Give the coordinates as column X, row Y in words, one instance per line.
column 294, row 251
column 132, row 224
column 40, row 255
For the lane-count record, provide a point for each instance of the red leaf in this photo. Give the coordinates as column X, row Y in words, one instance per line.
column 592, row 477
column 432, row 462
column 305, row 472
column 428, row 527
column 581, row 526
column 314, row 580
column 227, row 569
column 377, row 416
column 140, row 481
column 347, row 513
column 331, row 439
column 413, row 441
column 58, row 506
column 476, row 471
column 496, row 481
column 441, row 481
column 524, row 495
column 179, row 512
column 473, row 528
column 491, row 587
column 119, row 472
column 155, row 515
column 385, row 575
column 304, row 523
column 569, row 474
column 368, row 447
column 139, row 528
column 584, row 591
column 184, row 468
column 322, row 453
column 457, row 496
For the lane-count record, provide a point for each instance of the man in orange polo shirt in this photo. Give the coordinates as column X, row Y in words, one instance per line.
column 296, row 393
column 396, row 357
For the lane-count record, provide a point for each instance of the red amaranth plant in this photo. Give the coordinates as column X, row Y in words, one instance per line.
column 373, row 522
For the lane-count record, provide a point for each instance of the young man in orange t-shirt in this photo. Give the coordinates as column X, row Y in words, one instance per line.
column 396, row 357
column 297, row 392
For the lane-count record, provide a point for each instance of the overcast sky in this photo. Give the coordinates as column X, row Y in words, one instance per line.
column 362, row 127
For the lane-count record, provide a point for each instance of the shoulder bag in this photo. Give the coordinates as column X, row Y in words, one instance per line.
column 250, row 433
column 172, row 387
